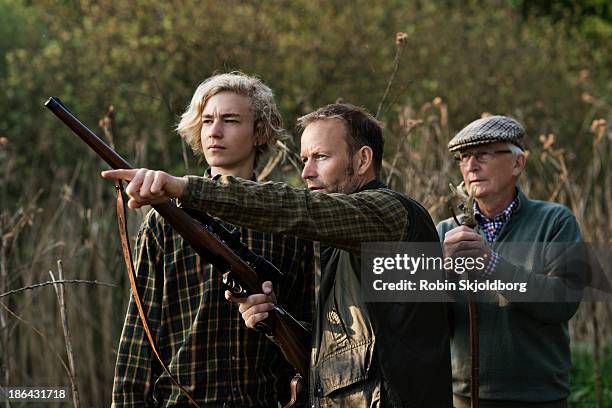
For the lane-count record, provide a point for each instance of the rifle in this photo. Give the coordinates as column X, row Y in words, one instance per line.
column 244, row 271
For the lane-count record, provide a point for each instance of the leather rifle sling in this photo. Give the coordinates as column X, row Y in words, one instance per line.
column 127, row 256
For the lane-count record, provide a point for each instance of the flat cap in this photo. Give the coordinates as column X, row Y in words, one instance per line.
column 487, row 130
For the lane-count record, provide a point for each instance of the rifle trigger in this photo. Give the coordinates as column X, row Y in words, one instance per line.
column 233, row 285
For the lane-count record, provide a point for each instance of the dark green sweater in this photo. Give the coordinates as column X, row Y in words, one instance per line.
column 524, row 347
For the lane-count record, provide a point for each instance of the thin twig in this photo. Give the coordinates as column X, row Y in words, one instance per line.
column 43, row 336
column 400, row 42
column 401, row 90
column 5, row 339
column 287, row 154
column 185, row 155
column 10, row 228
column 270, row 165
column 59, row 291
column 62, row 281
column 400, row 146
column 106, row 123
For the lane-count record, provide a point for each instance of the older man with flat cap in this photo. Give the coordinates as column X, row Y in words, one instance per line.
column 524, row 343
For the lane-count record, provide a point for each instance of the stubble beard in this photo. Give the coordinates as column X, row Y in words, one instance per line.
column 348, row 184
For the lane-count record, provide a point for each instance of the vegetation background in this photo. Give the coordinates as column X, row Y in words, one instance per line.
column 547, row 63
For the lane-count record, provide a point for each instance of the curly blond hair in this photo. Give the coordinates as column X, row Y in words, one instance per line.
column 268, row 121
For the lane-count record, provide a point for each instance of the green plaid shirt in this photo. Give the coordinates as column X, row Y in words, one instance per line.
column 201, row 337
column 341, row 220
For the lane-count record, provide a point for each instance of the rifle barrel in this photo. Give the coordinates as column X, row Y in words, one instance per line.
column 292, row 336
column 56, row 106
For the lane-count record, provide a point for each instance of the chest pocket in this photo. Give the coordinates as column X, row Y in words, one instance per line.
column 347, row 341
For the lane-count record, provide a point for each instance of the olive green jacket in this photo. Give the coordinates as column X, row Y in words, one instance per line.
column 378, row 352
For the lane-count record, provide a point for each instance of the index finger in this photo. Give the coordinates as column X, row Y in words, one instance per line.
column 463, row 228
column 124, row 174
column 461, row 233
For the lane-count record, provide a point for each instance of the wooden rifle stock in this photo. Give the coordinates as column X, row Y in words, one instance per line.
column 291, row 336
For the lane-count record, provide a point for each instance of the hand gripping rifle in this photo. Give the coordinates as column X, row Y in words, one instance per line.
column 243, row 270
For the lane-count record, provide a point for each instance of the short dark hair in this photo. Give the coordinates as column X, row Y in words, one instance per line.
column 362, row 129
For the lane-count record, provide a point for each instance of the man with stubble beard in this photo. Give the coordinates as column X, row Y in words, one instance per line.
column 364, row 354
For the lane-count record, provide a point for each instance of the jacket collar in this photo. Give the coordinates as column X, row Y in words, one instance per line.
column 522, row 199
column 372, row 185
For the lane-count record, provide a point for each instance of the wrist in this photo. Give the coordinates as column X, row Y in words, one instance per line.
column 493, row 260
column 182, row 183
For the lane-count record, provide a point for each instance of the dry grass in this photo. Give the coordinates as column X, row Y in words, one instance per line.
column 73, row 220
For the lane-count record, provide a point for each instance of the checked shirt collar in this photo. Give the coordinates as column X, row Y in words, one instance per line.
column 208, row 174
column 492, row 226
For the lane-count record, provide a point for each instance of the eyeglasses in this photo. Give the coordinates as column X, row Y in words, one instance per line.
column 482, row 156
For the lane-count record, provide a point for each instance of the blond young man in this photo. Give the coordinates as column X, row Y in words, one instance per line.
column 231, row 121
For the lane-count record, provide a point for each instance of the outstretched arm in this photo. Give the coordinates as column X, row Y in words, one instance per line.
column 341, row 220
column 148, row 187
